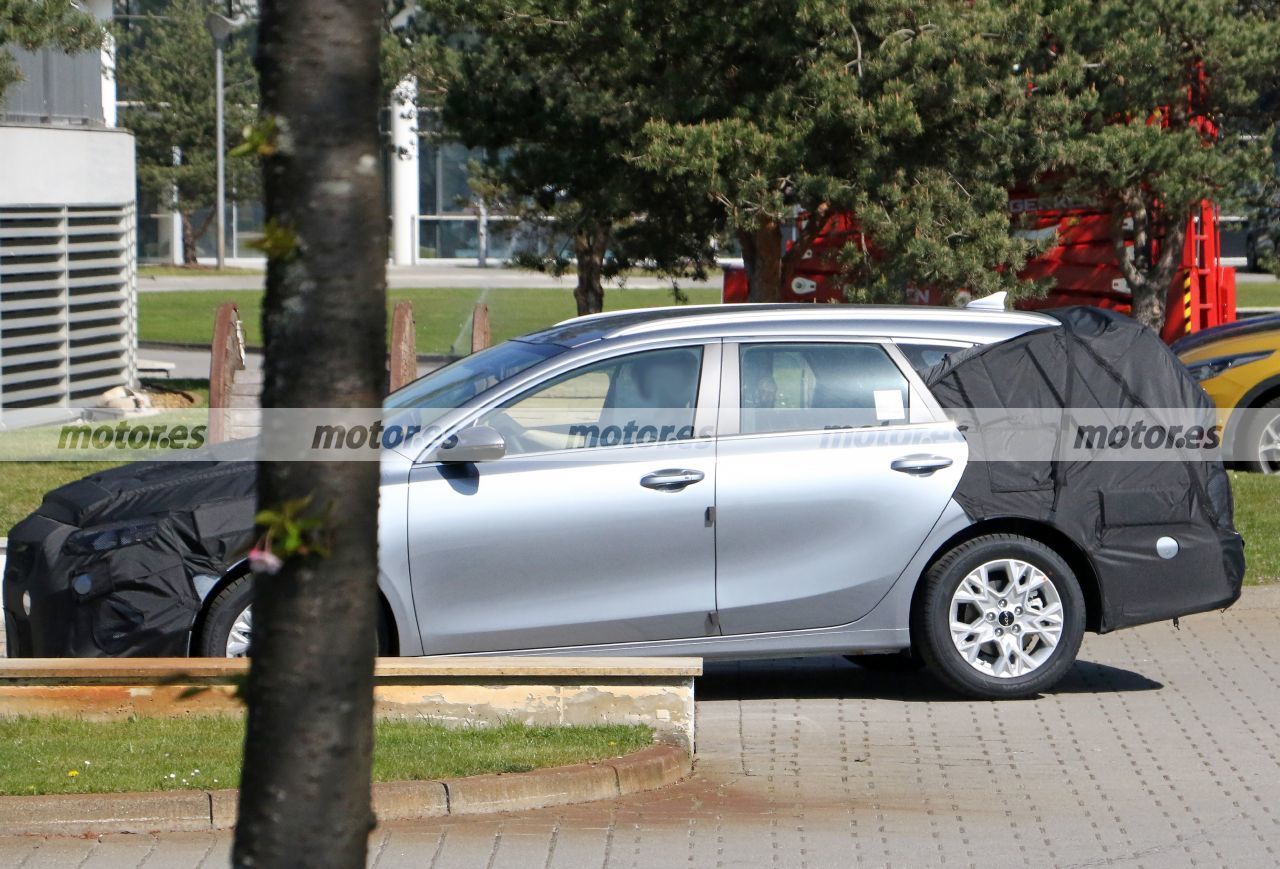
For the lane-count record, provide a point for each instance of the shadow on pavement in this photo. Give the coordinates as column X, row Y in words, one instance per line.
column 836, row 679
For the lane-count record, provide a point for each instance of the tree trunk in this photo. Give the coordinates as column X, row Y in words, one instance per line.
column 762, row 258
column 190, row 234
column 188, row 241
column 1148, row 276
column 305, row 793
column 590, row 245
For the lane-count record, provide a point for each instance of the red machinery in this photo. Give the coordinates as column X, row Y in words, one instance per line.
column 1082, row 264
column 1082, row 261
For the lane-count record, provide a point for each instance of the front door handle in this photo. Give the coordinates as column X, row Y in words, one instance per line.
column 920, row 465
column 671, row 479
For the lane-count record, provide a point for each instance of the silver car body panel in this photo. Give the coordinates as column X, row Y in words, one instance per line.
column 808, row 547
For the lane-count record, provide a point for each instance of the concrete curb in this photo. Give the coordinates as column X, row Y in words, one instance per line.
column 186, row 811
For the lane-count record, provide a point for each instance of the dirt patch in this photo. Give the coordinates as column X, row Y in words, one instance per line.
column 170, row 398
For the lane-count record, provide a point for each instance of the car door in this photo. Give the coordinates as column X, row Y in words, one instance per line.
column 833, row 465
column 592, row 529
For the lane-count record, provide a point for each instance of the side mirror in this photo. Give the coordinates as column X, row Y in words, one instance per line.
column 477, row 443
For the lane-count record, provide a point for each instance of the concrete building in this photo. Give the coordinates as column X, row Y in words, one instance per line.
column 433, row 215
column 68, row 323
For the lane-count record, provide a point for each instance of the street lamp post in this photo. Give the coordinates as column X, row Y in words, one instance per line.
column 220, row 28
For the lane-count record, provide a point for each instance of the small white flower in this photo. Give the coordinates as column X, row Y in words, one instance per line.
column 265, row 561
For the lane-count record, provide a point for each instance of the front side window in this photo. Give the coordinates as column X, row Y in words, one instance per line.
column 812, row 387
column 456, row 384
column 639, row 398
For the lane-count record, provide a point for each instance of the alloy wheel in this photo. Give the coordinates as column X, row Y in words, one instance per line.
column 1006, row 618
column 238, row 637
column 1269, row 446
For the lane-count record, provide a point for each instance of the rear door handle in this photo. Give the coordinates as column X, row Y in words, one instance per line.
column 920, row 465
column 671, row 479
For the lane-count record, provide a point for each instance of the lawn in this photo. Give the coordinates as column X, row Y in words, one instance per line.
column 1257, row 498
column 23, row 485
column 158, row 271
column 48, row 755
column 442, row 315
column 1263, row 295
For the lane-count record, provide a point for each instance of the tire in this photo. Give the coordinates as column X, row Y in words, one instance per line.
column 1263, row 456
column 1046, row 625
column 229, row 609
column 898, row 662
column 226, row 611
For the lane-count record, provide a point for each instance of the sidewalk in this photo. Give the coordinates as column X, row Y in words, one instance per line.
column 191, row 364
column 412, row 277
column 1157, row 750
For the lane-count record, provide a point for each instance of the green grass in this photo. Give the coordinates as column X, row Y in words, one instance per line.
column 23, row 485
column 442, row 315
column 1257, row 498
column 158, row 271
column 47, row 755
column 1262, row 295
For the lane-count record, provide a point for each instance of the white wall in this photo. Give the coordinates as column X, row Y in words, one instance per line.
column 101, row 10
column 404, row 173
column 56, row 165
column 61, row 188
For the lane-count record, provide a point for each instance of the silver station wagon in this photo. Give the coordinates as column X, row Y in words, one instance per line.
column 725, row 482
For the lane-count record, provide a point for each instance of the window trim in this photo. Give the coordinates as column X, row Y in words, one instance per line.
column 704, row 416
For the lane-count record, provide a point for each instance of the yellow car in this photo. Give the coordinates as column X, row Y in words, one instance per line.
column 1238, row 364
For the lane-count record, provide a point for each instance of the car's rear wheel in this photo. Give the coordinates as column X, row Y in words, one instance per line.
column 228, row 623
column 1263, row 438
column 999, row 617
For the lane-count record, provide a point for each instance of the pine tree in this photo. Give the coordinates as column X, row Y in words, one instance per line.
column 32, row 24
column 165, row 77
column 912, row 116
column 1157, row 106
column 557, row 93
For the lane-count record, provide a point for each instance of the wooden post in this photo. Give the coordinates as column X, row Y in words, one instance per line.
column 480, row 327
column 226, row 357
column 403, row 359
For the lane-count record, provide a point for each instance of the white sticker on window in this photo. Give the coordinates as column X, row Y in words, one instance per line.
column 889, row 405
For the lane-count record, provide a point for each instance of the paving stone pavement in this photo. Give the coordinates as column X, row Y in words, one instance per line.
column 1158, row 750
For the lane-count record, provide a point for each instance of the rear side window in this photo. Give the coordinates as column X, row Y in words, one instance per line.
column 812, row 387
column 924, row 356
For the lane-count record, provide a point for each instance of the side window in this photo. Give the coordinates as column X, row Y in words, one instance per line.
column 634, row 399
column 924, row 356
column 808, row 387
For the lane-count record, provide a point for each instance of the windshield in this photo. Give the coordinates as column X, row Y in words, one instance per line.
column 457, row 383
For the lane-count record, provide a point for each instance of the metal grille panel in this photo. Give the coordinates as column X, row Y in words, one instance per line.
column 67, row 303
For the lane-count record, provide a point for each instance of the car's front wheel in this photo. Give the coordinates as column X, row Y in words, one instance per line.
column 999, row 617
column 228, row 623
column 1263, row 438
